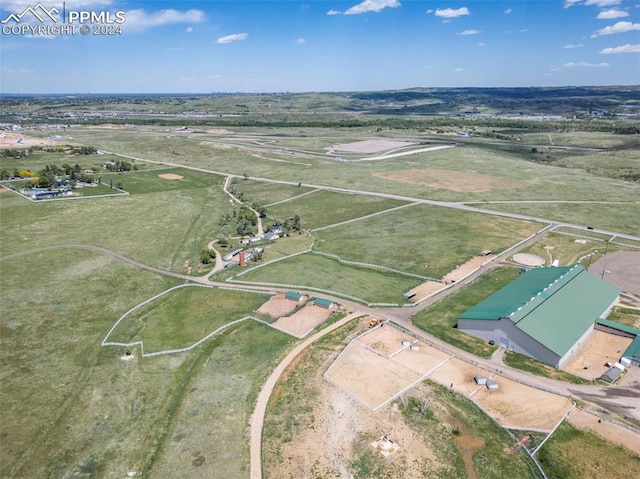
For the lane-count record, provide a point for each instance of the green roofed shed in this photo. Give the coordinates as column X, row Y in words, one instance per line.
column 293, row 296
column 324, row 303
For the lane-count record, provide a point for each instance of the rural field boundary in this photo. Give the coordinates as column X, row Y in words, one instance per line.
column 372, row 266
column 377, row 213
column 292, row 198
column 179, row 350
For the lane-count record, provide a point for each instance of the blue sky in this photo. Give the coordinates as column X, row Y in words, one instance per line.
column 275, row 45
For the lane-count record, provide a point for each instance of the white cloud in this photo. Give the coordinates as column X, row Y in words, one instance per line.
column 508, row 11
column 524, row 30
column 451, row 13
column 571, row 45
column 372, row 6
column 628, row 48
column 458, row 70
column 138, row 19
column 189, row 29
column 619, row 27
column 173, row 49
column 585, row 65
column 469, row 32
column 232, row 38
column 589, row 3
column 602, row 3
column 300, row 41
column 555, row 68
column 611, row 14
column 333, row 12
column 481, row 44
column 430, row 11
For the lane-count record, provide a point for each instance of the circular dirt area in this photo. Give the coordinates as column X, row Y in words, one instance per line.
column 170, row 176
column 621, row 269
column 528, row 259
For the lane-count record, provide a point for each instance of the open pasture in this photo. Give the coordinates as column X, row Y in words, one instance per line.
column 264, row 193
column 316, row 271
column 536, row 181
column 66, row 402
column 422, row 239
column 324, row 208
column 574, row 454
column 162, row 223
column 621, row 217
column 72, row 408
column 184, row 316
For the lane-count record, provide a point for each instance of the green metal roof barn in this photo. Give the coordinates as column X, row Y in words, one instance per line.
column 546, row 313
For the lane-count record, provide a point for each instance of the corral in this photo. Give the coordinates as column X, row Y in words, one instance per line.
column 376, row 367
column 277, row 306
column 589, row 361
column 303, row 321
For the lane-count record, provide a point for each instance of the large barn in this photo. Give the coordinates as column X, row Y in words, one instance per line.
column 547, row 313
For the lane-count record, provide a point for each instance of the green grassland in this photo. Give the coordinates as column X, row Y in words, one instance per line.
column 566, row 250
column 574, row 454
column 628, row 317
column 67, row 402
column 259, row 192
column 315, row 271
column 184, row 316
column 623, row 218
column 208, row 435
column 324, row 208
column 162, row 223
column 522, row 178
column 422, row 239
column 441, row 318
column 71, row 408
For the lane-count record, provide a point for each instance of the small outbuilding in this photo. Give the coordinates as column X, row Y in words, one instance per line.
column 491, row 384
column 293, row 296
column 611, row 374
column 323, row 303
column 480, row 379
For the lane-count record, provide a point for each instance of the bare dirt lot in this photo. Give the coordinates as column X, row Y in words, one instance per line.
column 449, row 180
column 376, row 367
column 528, row 259
column 464, row 269
column 368, row 146
column 606, row 430
column 621, row 269
column 170, row 176
column 10, row 139
column 303, row 321
column 278, row 306
column 600, row 348
column 517, row 405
